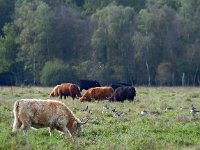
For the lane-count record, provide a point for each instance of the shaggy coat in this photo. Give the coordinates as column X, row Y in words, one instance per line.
column 97, row 93
column 123, row 93
column 45, row 113
column 66, row 89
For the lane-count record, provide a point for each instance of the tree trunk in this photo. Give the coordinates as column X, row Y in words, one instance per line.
column 195, row 75
column 183, row 79
column 148, row 72
column 34, row 69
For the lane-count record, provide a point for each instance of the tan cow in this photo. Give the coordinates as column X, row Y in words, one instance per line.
column 45, row 113
column 97, row 93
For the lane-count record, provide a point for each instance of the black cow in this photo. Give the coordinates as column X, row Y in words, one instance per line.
column 119, row 84
column 87, row 84
column 123, row 93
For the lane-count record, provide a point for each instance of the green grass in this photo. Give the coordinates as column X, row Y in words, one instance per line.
column 175, row 129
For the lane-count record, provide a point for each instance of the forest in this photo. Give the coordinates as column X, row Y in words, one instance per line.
column 142, row 42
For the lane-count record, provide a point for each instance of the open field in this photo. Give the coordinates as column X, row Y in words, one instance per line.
column 166, row 129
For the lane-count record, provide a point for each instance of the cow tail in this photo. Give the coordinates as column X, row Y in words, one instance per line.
column 78, row 91
column 17, row 123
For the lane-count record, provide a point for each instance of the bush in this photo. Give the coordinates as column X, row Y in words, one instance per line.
column 164, row 73
column 55, row 72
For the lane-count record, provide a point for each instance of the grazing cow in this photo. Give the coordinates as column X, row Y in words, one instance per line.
column 45, row 113
column 123, row 93
column 97, row 93
column 87, row 84
column 66, row 89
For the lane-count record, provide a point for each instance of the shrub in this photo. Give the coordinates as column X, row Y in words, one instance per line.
column 164, row 73
column 55, row 72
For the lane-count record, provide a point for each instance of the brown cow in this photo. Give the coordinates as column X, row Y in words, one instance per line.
column 45, row 113
column 66, row 89
column 97, row 93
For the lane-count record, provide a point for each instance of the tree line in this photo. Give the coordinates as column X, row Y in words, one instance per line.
column 143, row 42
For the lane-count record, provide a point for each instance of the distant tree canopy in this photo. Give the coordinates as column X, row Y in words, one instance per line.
column 144, row 42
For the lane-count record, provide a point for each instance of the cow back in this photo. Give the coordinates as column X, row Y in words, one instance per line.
column 87, row 84
column 100, row 93
column 65, row 89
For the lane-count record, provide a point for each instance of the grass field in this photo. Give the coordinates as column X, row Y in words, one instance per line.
column 166, row 129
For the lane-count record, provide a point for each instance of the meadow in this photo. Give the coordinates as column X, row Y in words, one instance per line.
column 160, row 129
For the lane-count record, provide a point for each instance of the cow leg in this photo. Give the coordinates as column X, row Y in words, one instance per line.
column 51, row 130
column 16, row 125
column 65, row 130
column 62, row 124
column 25, row 127
column 73, row 95
column 65, row 97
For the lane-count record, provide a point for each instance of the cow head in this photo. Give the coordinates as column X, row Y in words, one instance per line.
column 55, row 91
column 82, row 99
column 97, row 84
column 53, row 94
column 76, row 127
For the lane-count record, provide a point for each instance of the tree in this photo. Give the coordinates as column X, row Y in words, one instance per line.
column 111, row 40
column 136, row 4
column 50, row 31
column 91, row 6
column 70, row 35
column 32, row 18
column 189, row 34
column 156, row 39
column 6, row 11
column 8, row 48
column 142, row 45
column 174, row 4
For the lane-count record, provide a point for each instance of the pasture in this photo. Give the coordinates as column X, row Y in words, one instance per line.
column 169, row 129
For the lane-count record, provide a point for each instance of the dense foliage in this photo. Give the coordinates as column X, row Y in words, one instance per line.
column 152, row 42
